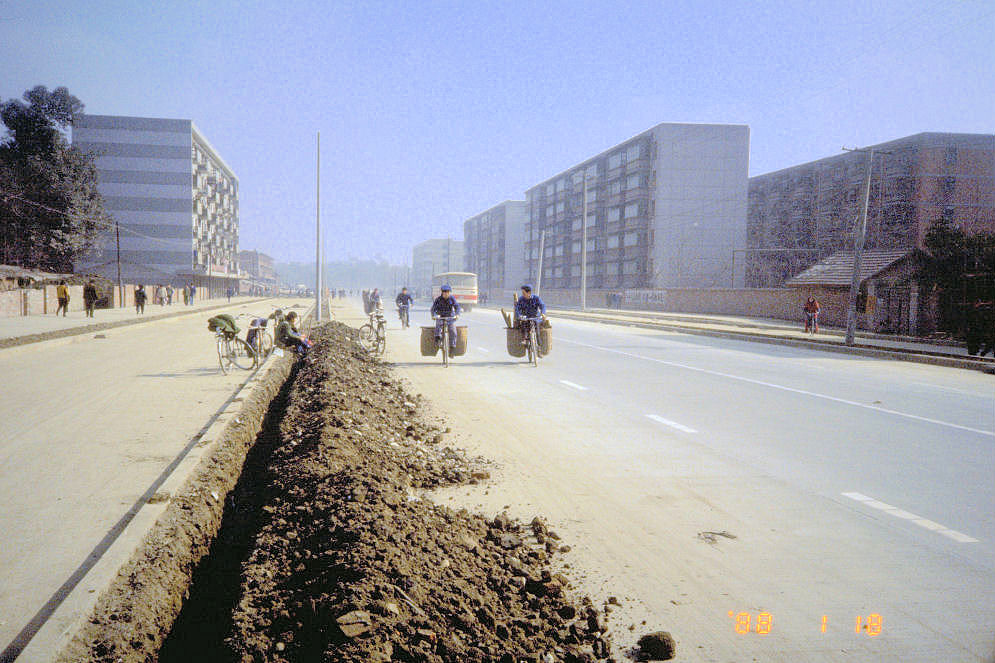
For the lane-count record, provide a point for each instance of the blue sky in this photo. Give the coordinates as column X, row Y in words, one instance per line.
column 430, row 112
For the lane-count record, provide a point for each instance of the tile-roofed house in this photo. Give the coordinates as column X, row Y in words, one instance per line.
column 837, row 269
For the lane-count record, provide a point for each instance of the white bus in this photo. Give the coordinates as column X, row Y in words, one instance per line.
column 464, row 285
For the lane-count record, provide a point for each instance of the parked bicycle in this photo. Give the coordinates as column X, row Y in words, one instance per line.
column 259, row 337
column 373, row 334
column 232, row 350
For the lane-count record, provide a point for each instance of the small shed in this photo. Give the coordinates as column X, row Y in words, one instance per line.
column 888, row 300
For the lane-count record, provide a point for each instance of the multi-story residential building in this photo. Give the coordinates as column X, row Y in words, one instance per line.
column 803, row 214
column 434, row 256
column 494, row 241
column 258, row 273
column 172, row 197
column 666, row 208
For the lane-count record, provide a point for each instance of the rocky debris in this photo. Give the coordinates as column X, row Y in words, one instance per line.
column 348, row 563
column 657, row 646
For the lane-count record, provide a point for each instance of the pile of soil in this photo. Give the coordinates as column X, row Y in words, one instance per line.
column 334, row 556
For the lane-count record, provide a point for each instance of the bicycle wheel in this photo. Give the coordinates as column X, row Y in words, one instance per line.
column 241, row 353
column 265, row 344
column 366, row 336
column 533, row 346
column 223, row 359
column 445, row 346
column 381, row 343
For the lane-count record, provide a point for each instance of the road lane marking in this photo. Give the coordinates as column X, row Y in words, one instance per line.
column 672, row 424
column 804, row 392
column 925, row 523
column 574, row 385
column 484, row 350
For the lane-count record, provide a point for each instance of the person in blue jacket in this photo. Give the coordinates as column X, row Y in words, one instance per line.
column 446, row 306
column 527, row 306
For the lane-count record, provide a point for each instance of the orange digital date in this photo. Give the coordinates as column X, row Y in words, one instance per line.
column 744, row 622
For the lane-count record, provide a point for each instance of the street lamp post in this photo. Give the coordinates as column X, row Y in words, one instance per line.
column 583, row 252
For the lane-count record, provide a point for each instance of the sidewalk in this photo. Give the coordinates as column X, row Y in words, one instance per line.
column 788, row 333
column 19, row 330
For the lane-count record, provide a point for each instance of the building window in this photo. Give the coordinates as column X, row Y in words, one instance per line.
column 630, row 267
column 611, row 269
column 613, row 241
column 633, row 152
column 550, row 189
column 577, row 224
column 560, row 206
column 614, row 161
column 550, row 209
column 631, row 239
column 632, row 182
column 631, row 210
column 592, row 245
column 592, row 171
column 614, row 213
column 576, row 247
column 615, row 187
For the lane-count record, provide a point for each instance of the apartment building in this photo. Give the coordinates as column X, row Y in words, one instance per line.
column 434, row 256
column 258, row 273
column 803, row 214
column 494, row 242
column 666, row 208
column 173, row 199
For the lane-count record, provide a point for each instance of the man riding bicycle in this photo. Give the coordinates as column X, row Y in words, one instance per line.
column 527, row 306
column 445, row 310
column 403, row 302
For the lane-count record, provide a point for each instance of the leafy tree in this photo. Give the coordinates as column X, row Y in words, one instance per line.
column 957, row 269
column 50, row 208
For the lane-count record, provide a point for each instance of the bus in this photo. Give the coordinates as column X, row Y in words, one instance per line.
column 464, row 285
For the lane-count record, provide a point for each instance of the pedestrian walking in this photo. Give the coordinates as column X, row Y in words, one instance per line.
column 140, row 297
column 62, row 294
column 169, row 294
column 160, row 295
column 193, row 293
column 812, row 310
column 229, row 293
column 186, row 295
column 89, row 297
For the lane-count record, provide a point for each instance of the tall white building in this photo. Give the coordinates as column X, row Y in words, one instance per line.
column 173, row 199
column 666, row 208
column 434, row 256
column 493, row 241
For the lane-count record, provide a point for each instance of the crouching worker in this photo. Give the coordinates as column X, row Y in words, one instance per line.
column 288, row 338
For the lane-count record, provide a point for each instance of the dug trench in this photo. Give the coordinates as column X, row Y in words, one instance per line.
column 328, row 550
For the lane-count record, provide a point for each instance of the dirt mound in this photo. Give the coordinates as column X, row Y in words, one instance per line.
column 342, row 561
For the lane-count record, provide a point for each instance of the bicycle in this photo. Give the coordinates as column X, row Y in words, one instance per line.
column 446, row 348
column 402, row 313
column 259, row 338
column 234, row 351
column 373, row 335
column 532, row 340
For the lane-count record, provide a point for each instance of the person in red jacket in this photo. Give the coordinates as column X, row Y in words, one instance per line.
column 812, row 309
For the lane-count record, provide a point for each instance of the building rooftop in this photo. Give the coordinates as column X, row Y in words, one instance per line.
column 837, row 269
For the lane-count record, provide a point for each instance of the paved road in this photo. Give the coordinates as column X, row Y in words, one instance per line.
column 853, row 486
column 85, row 428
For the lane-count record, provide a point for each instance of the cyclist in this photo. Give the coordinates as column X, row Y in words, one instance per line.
column 445, row 310
column 812, row 310
column 376, row 301
column 287, row 337
column 527, row 306
column 403, row 302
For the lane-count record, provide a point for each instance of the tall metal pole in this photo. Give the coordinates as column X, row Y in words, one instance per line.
column 542, row 244
column 583, row 252
column 117, row 241
column 317, row 234
column 859, row 234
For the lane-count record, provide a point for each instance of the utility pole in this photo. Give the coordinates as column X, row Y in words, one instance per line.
column 859, row 235
column 583, row 252
column 317, row 234
column 117, row 241
column 542, row 244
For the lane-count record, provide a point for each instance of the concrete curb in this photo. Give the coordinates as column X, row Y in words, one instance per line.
column 71, row 334
column 73, row 613
column 863, row 351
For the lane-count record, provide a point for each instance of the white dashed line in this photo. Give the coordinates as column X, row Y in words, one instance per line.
column 574, row 385
column 673, row 424
column 484, row 350
column 772, row 385
column 905, row 515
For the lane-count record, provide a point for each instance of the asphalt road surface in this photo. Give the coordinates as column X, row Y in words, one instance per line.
column 86, row 426
column 829, row 507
